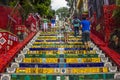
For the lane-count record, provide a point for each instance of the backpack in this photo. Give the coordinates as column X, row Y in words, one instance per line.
column 76, row 21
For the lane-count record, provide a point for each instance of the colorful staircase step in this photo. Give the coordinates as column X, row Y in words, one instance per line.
column 56, row 46
column 81, row 55
column 57, row 60
column 64, row 52
column 36, row 49
column 76, row 49
column 51, row 36
column 62, row 70
column 61, row 55
column 60, row 64
column 41, row 56
column 82, row 60
column 57, row 40
column 109, row 76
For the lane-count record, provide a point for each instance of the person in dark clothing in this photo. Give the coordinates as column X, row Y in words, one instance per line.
column 85, row 26
column 76, row 24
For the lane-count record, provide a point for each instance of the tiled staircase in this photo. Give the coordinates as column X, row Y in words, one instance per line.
column 47, row 57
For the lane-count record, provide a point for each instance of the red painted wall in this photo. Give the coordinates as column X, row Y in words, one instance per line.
column 7, row 41
column 4, row 11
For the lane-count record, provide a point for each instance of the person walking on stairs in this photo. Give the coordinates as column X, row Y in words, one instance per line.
column 53, row 23
column 85, row 26
column 76, row 24
column 66, row 30
column 45, row 24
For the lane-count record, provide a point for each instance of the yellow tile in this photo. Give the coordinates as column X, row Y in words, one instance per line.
column 71, row 60
column 51, row 60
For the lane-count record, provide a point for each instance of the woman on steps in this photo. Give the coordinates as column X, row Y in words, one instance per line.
column 66, row 30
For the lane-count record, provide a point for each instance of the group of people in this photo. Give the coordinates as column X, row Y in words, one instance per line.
column 71, row 24
column 78, row 25
column 47, row 23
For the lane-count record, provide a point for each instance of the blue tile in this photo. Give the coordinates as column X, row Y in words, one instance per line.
column 61, row 56
column 33, row 65
column 34, row 49
column 86, row 65
column 61, row 65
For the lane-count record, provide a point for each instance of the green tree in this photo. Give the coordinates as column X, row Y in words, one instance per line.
column 63, row 12
column 118, row 2
column 26, row 7
column 51, row 13
column 40, row 6
column 116, row 13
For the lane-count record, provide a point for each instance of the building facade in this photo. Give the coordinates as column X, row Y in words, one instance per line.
column 97, row 5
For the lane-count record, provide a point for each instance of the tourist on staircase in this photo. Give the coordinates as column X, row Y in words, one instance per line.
column 45, row 24
column 53, row 23
column 66, row 30
column 85, row 26
column 76, row 24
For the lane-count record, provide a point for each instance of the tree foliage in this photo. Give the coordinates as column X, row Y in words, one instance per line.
column 116, row 13
column 51, row 13
column 40, row 6
column 63, row 12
